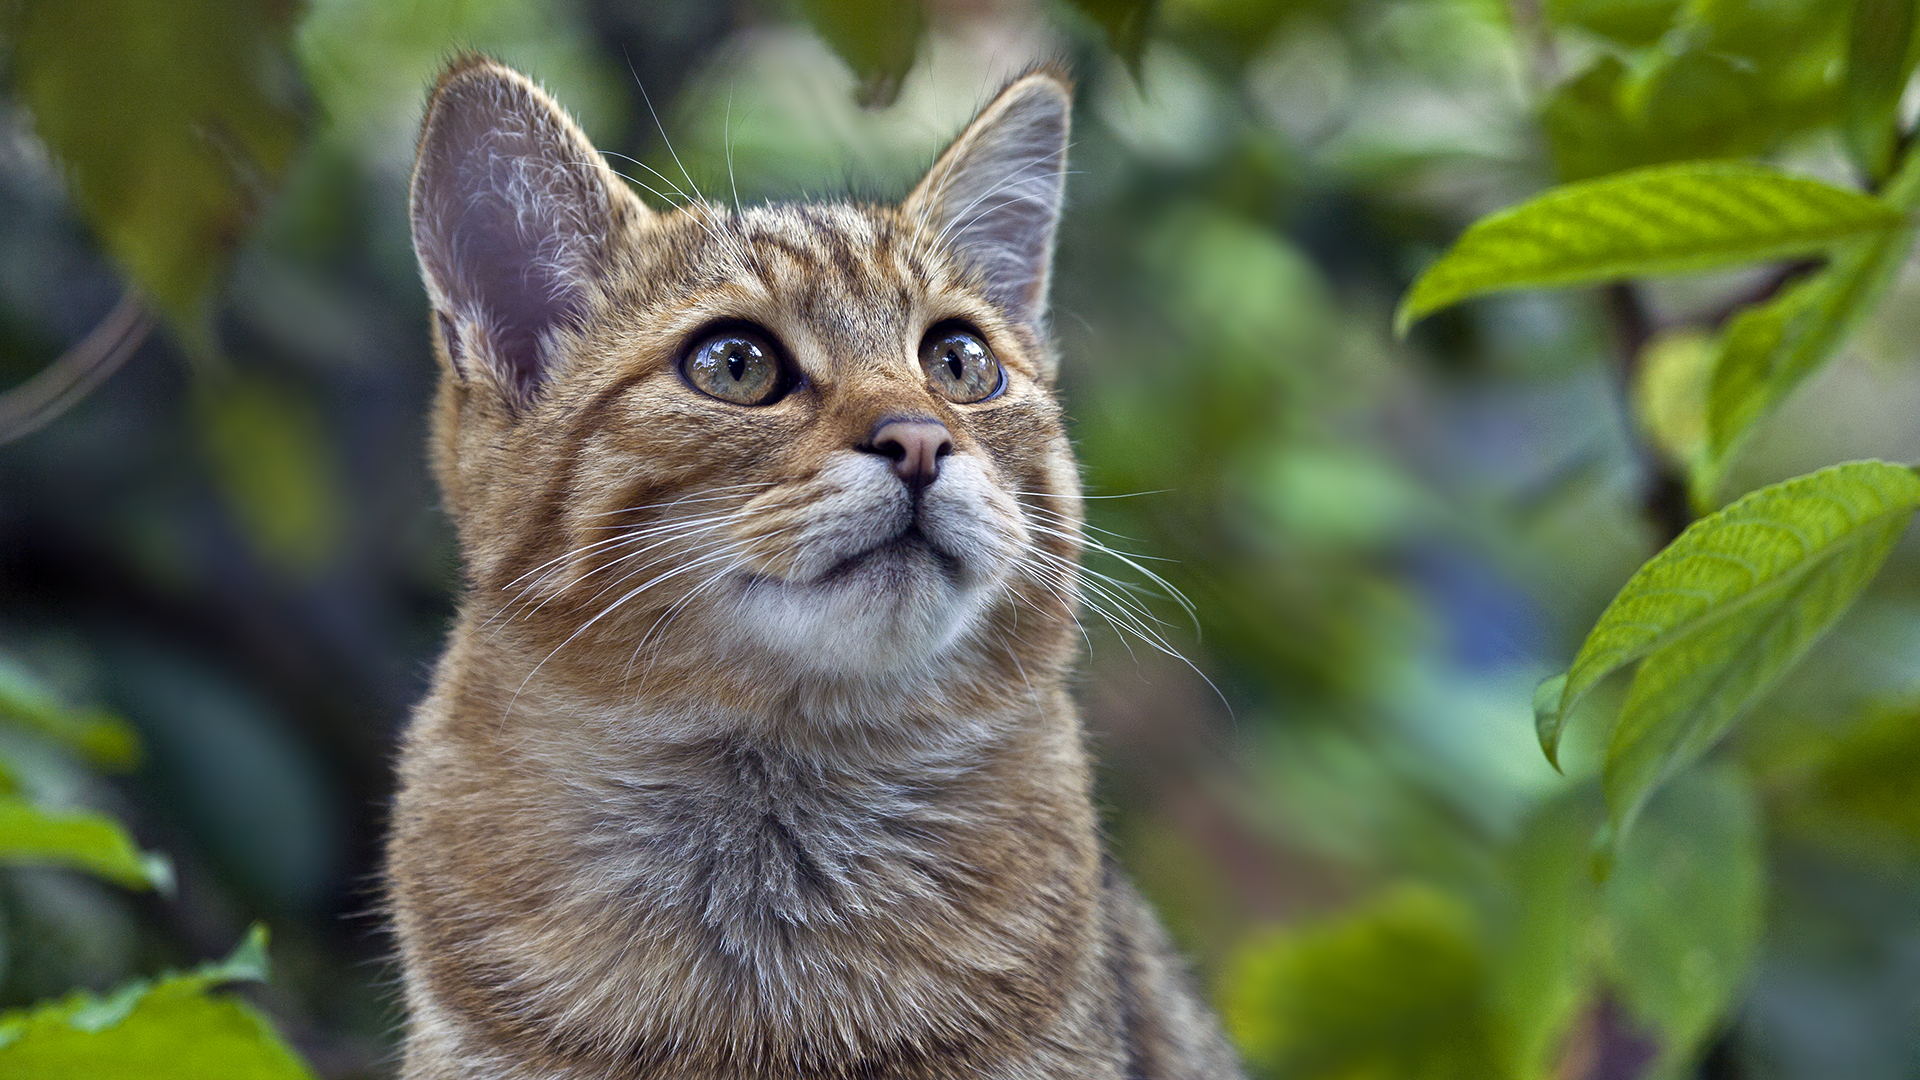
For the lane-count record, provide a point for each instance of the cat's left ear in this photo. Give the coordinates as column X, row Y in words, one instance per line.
column 513, row 210
column 994, row 196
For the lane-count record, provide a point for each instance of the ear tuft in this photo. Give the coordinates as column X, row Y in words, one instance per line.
column 511, row 209
column 994, row 196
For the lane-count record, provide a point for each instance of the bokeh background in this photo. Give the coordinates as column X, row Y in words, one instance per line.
column 232, row 542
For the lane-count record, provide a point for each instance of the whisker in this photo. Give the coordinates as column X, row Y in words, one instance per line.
column 707, row 495
column 726, row 144
column 604, row 612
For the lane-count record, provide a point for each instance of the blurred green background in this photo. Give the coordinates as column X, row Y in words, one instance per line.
column 1326, row 778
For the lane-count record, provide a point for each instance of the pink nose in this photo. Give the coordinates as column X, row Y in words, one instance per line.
column 914, row 446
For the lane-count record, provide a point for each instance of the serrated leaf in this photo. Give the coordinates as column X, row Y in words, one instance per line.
column 1683, row 910
column 1725, row 610
column 77, row 841
column 102, row 738
column 161, row 1030
column 1662, row 220
column 1397, row 988
column 1769, row 349
column 877, row 39
column 1880, row 56
column 202, row 95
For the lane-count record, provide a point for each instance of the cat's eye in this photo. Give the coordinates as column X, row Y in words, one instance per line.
column 960, row 366
column 736, row 365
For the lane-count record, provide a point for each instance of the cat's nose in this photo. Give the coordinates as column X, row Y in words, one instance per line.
column 914, row 446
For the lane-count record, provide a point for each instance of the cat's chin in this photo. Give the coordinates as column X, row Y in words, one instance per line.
column 895, row 607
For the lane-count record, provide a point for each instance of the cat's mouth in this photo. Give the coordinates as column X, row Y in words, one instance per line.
column 909, row 546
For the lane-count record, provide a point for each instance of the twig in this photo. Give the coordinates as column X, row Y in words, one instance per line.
column 1663, row 498
column 60, row 385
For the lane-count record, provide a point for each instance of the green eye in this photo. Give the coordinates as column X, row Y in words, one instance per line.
column 960, row 366
column 737, row 366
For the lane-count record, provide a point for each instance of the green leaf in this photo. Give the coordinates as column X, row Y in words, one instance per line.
column 1724, row 611
column 127, row 93
column 1683, row 910
column 1698, row 103
column 1630, row 22
column 1662, row 220
column 1670, row 392
column 1671, row 931
column 1864, row 789
column 77, row 841
column 1550, row 714
column 1770, row 349
column 1542, row 961
column 1396, row 989
column 1880, row 56
column 166, row 1029
column 877, row 39
column 100, row 737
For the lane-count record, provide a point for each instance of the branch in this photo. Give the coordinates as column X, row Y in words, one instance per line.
column 60, row 385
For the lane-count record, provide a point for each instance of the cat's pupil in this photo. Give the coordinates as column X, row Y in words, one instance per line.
column 953, row 362
column 736, row 363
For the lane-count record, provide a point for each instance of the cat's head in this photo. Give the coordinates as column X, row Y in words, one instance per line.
column 812, row 438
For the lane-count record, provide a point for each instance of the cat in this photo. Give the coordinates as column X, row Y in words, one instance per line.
column 751, row 753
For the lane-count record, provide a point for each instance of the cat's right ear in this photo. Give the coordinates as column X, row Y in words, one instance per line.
column 512, row 209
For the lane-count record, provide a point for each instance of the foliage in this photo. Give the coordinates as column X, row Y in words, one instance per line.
column 1719, row 615
column 1662, row 220
column 172, row 1026
column 195, row 92
column 1418, row 983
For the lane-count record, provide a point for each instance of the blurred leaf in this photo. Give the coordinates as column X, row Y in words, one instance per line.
column 1396, row 990
column 1867, row 782
column 271, row 456
column 173, row 121
column 157, row 1030
column 1770, row 349
column 1339, row 497
column 78, row 841
column 1126, row 23
column 1880, row 56
column 1724, row 611
column 877, row 39
column 102, row 738
column 1630, row 22
column 1699, row 102
column 1765, row 32
column 226, row 767
column 1662, row 220
column 1684, row 906
column 1670, row 392
column 1542, row 967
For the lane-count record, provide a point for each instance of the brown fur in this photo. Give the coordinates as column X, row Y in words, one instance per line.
column 665, row 816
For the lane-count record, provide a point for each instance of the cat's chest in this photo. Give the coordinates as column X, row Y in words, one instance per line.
column 741, row 840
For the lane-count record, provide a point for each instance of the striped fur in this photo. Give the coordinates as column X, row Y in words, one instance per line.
column 694, row 794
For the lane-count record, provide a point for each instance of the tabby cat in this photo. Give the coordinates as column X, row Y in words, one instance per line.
column 751, row 754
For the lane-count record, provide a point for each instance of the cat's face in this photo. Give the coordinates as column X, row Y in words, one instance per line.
column 814, row 439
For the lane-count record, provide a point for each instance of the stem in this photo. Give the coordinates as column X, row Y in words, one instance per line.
column 1663, row 499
